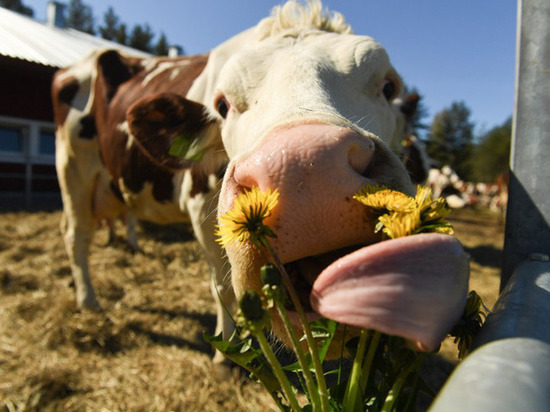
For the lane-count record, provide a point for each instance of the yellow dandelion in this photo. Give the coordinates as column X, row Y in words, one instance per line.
column 382, row 198
column 399, row 224
column 433, row 212
column 246, row 219
column 401, row 215
column 423, row 197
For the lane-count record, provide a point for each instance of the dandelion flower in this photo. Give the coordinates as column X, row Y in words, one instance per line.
column 382, row 198
column 399, row 224
column 401, row 215
column 245, row 221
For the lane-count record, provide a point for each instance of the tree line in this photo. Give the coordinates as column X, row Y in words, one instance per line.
column 80, row 16
column 451, row 141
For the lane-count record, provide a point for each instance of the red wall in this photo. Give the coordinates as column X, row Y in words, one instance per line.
column 25, row 89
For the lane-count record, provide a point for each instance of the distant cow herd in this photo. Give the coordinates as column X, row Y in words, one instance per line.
column 459, row 194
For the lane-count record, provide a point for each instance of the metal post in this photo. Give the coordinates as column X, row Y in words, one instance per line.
column 509, row 369
column 528, row 215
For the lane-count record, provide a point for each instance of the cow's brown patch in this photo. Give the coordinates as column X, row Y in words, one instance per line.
column 115, row 70
column 63, row 92
column 163, row 114
column 68, row 91
column 156, row 121
column 88, row 130
column 116, row 191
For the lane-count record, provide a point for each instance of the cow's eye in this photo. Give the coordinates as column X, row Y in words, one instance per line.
column 389, row 89
column 222, row 107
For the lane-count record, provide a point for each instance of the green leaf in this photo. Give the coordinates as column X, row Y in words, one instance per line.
column 186, row 147
column 324, row 328
column 241, row 352
column 296, row 367
column 245, row 355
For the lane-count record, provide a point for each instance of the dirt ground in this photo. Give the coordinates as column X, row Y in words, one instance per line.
column 145, row 350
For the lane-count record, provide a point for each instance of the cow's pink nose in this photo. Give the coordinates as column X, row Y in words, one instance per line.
column 317, row 169
column 311, row 157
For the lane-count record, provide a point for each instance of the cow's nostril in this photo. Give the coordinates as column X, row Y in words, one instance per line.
column 360, row 155
column 248, row 175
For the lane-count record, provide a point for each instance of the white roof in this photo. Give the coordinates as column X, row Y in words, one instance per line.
column 24, row 38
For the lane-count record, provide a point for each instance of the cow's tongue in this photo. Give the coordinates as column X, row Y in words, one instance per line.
column 414, row 287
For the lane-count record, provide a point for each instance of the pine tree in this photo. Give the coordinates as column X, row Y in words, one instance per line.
column 141, row 38
column 450, row 138
column 492, row 154
column 161, row 48
column 121, row 35
column 17, row 6
column 80, row 17
column 111, row 25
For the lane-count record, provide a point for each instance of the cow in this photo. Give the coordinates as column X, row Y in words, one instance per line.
column 297, row 103
column 446, row 183
column 104, row 175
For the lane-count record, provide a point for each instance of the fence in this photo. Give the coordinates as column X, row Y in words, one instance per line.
column 509, row 368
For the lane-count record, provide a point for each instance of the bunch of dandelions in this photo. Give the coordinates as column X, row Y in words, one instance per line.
column 401, row 215
column 384, row 373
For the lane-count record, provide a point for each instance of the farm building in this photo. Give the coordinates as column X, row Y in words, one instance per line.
column 30, row 53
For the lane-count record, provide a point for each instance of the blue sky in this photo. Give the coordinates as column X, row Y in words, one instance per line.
column 449, row 50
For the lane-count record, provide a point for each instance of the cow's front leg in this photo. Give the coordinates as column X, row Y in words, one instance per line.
column 202, row 211
column 77, row 243
column 78, row 223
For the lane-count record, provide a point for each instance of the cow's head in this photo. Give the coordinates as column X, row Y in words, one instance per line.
column 308, row 110
column 304, row 106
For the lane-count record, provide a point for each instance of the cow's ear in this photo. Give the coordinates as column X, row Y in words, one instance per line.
column 409, row 105
column 168, row 129
column 415, row 159
column 115, row 69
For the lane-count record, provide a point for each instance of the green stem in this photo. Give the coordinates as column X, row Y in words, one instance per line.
column 279, row 373
column 367, row 364
column 352, row 395
column 341, row 356
column 393, row 394
column 314, row 393
column 309, row 337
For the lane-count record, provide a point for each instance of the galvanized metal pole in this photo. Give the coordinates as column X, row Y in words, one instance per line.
column 528, row 215
column 509, row 369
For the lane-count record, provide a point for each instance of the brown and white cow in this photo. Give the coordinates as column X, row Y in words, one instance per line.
column 103, row 173
column 300, row 104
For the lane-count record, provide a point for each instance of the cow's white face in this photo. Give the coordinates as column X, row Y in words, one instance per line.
column 324, row 77
column 311, row 116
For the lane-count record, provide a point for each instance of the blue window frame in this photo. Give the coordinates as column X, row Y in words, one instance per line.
column 11, row 139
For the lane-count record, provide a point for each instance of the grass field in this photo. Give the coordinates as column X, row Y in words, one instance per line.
column 145, row 351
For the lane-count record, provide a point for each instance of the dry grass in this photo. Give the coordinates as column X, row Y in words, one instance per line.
column 145, row 350
column 482, row 235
